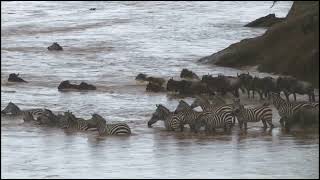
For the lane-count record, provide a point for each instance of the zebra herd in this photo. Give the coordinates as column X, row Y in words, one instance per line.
column 68, row 120
column 219, row 114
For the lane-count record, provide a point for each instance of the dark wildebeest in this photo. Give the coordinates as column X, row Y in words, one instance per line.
column 15, row 78
column 223, row 84
column 154, row 87
column 247, row 83
column 155, row 80
column 290, row 85
column 187, row 87
column 185, row 73
column 64, row 85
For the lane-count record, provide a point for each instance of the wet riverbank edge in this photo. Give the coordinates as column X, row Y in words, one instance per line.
column 290, row 47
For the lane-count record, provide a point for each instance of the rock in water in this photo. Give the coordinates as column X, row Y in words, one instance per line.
column 15, row 78
column 55, row 47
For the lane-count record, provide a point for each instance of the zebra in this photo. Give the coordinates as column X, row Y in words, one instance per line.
column 211, row 121
column 217, row 107
column 110, row 129
column 188, row 116
column 69, row 121
column 288, row 109
column 16, row 111
column 262, row 113
column 171, row 120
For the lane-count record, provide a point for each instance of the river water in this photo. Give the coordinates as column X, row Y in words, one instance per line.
column 108, row 47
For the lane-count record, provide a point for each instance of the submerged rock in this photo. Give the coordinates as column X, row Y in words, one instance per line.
column 15, row 78
column 55, row 47
column 266, row 21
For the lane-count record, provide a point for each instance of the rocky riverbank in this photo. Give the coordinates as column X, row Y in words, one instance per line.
column 290, row 47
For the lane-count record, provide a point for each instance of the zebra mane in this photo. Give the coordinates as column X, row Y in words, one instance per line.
column 162, row 108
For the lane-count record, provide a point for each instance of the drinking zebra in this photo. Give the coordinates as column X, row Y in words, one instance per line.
column 262, row 113
column 217, row 107
column 288, row 109
column 15, row 110
column 110, row 129
column 69, row 121
column 171, row 121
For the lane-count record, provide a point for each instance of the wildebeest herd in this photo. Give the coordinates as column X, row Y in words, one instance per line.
column 209, row 91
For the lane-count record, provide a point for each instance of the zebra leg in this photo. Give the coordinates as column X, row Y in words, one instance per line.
column 264, row 124
column 270, row 124
column 181, row 127
column 240, row 124
column 287, row 95
column 245, row 126
column 282, row 122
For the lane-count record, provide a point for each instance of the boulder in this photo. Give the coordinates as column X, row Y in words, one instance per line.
column 15, row 78
column 55, row 47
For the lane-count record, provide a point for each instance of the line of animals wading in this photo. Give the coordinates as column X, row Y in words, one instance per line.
column 216, row 114
column 192, row 85
column 67, row 120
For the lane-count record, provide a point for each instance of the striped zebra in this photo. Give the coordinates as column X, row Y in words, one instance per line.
column 288, row 109
column 69, row 121
column 214, row 108
column 188, row 116
column 262, row 113
column 211, row 121
column 105, row 129
column 15, row 110
column 171, row 120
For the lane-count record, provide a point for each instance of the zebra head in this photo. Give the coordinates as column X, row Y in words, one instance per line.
column 199, row 101
column 276, row 99
column 161, row 113
column 236, row 105
column 11, row 108
column 100, row 122
column 182, row 106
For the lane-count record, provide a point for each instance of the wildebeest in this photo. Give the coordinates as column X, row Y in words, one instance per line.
column 187, row 87
column 154, row 87
column 185, row 73
column 65, row 85
column 155, row 80
column 264, row 86
column 247, row 83
column 223, row 84
column 290, row 85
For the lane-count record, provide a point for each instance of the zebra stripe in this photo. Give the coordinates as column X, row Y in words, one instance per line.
column 287, row 109
column 188, row 116
column 244, row 115
column 71, row 122
column 214, row 108
column 171, row 120
column 105, row 129
column 211, row 121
